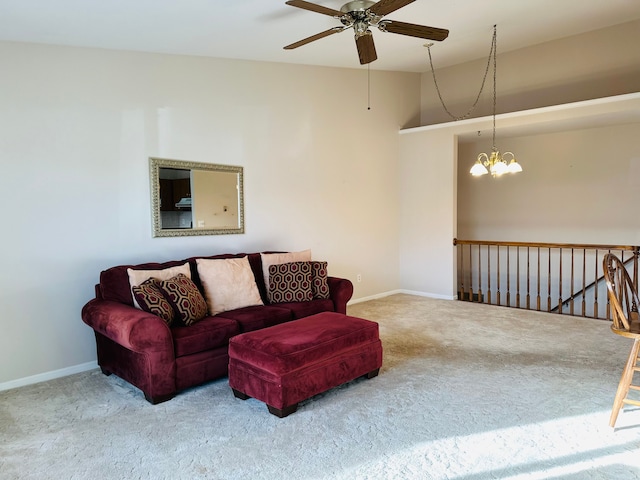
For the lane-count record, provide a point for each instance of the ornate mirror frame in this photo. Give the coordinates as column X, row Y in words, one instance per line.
column 155, row 166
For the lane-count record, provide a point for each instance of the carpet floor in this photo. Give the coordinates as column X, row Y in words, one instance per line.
column 466, row 392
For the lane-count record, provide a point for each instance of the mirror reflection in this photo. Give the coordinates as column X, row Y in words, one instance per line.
column 191, row 198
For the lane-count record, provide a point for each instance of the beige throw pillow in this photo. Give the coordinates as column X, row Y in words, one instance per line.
column 269, row 259
column 228, row 284
column 136, row 277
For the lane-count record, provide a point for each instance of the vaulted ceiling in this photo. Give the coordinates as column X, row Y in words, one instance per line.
column 259, row 29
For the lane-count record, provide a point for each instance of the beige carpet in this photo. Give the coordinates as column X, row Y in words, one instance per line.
column 466, row 392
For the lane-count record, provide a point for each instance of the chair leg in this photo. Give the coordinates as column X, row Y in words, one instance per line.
column 625, row 381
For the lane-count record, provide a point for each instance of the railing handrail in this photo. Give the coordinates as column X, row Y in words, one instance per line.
column 590, row 246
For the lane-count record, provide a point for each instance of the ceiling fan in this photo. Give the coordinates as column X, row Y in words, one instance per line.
column 362, row 14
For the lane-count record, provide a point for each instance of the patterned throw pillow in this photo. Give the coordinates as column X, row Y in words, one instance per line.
column 320, row 283
column 290, row 282
column 136, row 277
column 185, row 298
column 151, row 299
column 269, row 259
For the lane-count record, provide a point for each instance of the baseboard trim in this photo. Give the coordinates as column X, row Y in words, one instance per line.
column 43, row 377
column 406, row 292
column 429, row 295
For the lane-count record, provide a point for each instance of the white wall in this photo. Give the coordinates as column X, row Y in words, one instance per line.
column 78, row 126
column 428, row 211
column 580, row 186
column 596, row 64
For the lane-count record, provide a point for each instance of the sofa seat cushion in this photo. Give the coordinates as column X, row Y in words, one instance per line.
column 256, row 317
column 305, row 309
column 208, row 333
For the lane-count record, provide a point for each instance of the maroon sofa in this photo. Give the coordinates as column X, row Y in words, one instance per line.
column 161, row 360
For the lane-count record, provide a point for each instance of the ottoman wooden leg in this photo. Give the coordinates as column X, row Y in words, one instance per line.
column 239, row 394
column 281, row 413
column 373, row 373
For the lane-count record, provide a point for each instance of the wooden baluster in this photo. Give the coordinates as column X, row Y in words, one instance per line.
column 508, row 280
column 636, row 253
column 518, row 277
column 572, row 279
column 549, row 282
column 584, row 285
column 479, row 274
column 595, row 298
column 470, row 275
column 560, row 284
column 489, row 274
column 498, row 276
column 460, row 251
column 528, row 281
column 538, row 291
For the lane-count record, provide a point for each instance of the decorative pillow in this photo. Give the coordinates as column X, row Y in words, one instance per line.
column 152, row 300
column 290, row 282
column 269, row 259
column 136, row 277
column 185, row 298
column 228, row 284
column 320, row 284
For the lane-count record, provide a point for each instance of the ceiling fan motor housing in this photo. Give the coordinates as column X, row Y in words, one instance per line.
column 357, row 6
column 357, row 14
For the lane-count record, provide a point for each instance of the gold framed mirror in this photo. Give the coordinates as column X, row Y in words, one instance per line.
column 194, row 198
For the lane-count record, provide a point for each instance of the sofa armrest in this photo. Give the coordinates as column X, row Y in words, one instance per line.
column 340, row 291
column 128, row 326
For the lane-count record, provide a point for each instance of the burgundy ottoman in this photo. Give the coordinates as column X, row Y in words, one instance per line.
column 293, row 361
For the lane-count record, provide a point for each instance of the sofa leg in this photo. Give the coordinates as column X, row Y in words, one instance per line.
column 158, row 398
column 373, row 373
column 240, row 395
column 105, row 371
column 282, row 412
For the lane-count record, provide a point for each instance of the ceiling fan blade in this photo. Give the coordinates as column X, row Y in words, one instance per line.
column 385, row 7
column 315, row 8
column 412, row 30
column 317, row 36
column 366, row 48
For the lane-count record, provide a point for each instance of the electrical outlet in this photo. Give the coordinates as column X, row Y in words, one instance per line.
column 358, row 278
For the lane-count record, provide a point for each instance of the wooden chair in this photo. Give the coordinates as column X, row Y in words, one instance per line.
column 623, row 298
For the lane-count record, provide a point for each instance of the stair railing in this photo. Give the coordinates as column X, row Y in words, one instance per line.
column 554, row 277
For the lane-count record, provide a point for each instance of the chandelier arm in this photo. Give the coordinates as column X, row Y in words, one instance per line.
column 484, row 79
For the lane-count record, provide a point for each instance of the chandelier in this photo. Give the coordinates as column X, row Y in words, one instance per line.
column 495, row 162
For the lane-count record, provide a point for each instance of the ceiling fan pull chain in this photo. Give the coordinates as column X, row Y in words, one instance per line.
column 368, row 86
column 484, row 79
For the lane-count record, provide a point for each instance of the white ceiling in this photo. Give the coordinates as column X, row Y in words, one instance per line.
column 258, row 29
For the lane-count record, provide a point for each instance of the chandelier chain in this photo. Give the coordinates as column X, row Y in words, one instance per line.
column 494, row 47
column 492, row 53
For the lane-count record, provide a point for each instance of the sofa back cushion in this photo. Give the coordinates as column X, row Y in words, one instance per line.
column 228, row 284
column 114, row 282
column 136, row 276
